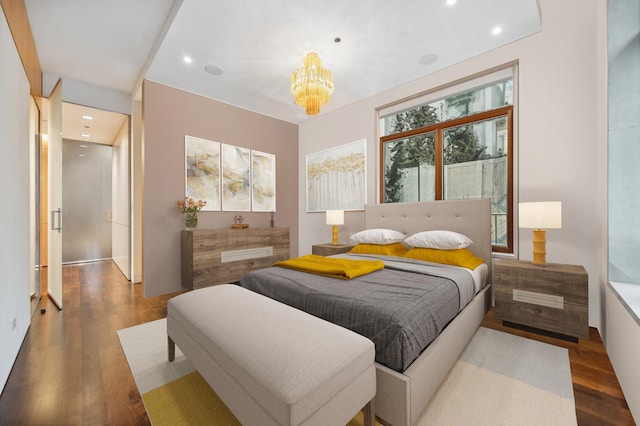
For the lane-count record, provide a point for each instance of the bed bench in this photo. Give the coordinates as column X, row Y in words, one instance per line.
column 272, row 364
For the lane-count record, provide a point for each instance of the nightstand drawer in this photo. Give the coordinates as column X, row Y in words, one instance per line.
column 550, row 297
column 569, row 281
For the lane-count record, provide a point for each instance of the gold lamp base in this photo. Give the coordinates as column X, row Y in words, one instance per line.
column 539, row 247
column 334, row 235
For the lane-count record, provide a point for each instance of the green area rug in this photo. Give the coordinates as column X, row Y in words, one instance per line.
column 499, row 379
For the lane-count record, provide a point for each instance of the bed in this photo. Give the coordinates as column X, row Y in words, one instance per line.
column 406, row 378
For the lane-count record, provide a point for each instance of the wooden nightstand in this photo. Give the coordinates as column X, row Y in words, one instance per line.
column 329, row 249
column 552, row 297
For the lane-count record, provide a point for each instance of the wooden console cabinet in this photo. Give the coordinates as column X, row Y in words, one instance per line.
column 552, row 297
column 217, row 256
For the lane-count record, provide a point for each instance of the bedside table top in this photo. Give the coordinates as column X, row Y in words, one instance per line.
column 328, row 249
column 550, row 267
column 330, row 245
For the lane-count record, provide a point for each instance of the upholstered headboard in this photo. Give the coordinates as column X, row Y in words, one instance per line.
column 471, row 217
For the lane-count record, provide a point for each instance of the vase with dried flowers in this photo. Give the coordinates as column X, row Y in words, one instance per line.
column 190, row 208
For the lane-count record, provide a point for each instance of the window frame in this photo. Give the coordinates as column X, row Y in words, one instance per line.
column 438, row 129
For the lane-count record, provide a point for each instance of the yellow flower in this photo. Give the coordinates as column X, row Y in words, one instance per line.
column 189, row 205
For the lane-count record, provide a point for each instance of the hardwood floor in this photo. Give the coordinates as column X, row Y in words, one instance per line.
column 599, row 399
column 71, row 369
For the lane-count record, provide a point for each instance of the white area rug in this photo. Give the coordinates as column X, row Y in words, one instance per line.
column 500, row 379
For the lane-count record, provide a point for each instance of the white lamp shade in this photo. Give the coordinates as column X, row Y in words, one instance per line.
column 335, row 217
column 546, row 214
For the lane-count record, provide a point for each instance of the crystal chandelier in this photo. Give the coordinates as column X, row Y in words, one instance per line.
column 312, row 85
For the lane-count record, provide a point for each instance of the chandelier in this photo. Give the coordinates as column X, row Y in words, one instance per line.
column 312, row 85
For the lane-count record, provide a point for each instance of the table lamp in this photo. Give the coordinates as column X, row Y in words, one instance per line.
column 335, row 218
column 546, row 214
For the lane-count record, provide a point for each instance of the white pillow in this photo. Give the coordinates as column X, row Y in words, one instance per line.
column 377, row 236
column 443, row 240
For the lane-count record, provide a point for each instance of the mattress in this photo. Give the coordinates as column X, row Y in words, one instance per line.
column 401, row 308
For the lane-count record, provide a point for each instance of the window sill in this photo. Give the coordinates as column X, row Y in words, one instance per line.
column 629, row 295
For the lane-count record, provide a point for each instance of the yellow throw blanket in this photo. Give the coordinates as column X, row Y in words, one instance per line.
column 345, row 269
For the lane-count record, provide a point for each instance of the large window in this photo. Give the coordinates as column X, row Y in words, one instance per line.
column 624, row 145
column 459, row 146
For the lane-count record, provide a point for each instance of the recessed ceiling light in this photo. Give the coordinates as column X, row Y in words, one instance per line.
column 82, row 155
column 84, row 146
column 451, row 2
column 87, row 117
column 214, row 70
column 85, row 135
column 187, row 59
column 428, row 59
column 496, row 30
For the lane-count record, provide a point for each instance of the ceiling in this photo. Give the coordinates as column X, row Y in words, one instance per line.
column 102, row 127
column 254, row 45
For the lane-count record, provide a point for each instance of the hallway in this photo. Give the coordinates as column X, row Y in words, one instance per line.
column 71, row 369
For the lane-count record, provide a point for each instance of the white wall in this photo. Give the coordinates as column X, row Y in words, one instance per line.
column 136, row 191
column 15, row 193
column 81, row 93
column 120, row 199
column 623, row 347
column 556, row 128
column 34, row 285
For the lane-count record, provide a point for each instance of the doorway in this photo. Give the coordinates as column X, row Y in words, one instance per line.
column 95, row 187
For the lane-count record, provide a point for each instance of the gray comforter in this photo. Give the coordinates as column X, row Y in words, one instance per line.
column 401, row 308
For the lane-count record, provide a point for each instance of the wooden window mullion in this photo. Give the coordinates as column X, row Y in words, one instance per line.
column 439, row 165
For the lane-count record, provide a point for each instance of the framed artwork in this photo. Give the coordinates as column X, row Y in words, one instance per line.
column 202, row 171
column 236, row 178
column 336, row 178
column 263, row 182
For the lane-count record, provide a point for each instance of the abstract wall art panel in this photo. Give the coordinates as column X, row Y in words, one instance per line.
column 202, row 171
column 336, row 178
column 236, row 178
column 263, row 182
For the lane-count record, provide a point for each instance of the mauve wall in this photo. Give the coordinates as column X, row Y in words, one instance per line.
column 168, row 115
